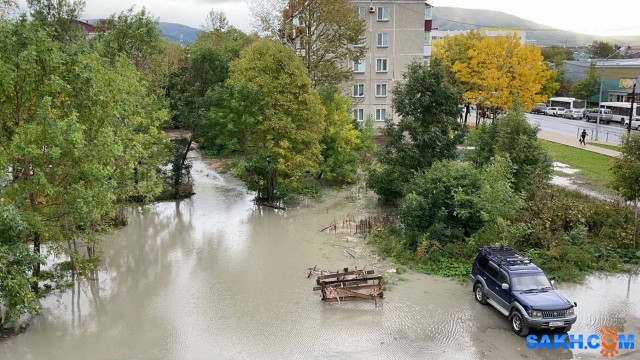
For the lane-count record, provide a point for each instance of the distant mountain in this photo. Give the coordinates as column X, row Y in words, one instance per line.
column 450, row 18
column 172, row 32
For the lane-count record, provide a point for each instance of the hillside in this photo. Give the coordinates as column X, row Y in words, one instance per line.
column 449, row 18
column 171, row 32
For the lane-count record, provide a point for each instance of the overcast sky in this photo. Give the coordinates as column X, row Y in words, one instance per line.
column 585, row 16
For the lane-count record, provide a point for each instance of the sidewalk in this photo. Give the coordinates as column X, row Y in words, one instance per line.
column 573, row 141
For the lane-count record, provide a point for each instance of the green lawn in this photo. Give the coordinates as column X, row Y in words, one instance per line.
column 605, row 146
column 594, row 167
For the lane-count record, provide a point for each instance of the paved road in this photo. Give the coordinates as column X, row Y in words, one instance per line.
column 567, row 127
column 566, row 131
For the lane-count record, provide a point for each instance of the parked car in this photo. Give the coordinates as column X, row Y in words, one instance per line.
column 539, row 108
column 604, row 114
column 635, row 123
column 520, row 290
column 573, row 114
column 554, row 111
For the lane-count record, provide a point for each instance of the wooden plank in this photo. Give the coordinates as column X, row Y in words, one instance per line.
column 351, row 287
column 348, row 298
column 355, row 293
column 348, row 273
column 360, row 280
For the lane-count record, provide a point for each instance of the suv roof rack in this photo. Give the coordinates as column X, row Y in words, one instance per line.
column 506, row 255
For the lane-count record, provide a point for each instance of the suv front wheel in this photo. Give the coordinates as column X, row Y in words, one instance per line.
column 478, row 290
column 517, row 324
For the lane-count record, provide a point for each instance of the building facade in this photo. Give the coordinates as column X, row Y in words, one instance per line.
column 617, row 77
column 397, row 34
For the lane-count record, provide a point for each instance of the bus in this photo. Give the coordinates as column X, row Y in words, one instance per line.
column 621, row 111
column 568, row 103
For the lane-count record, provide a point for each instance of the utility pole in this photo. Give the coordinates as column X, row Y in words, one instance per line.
column 633, row 95
column 633, row 98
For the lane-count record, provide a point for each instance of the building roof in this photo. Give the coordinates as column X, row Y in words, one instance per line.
column 610, row 63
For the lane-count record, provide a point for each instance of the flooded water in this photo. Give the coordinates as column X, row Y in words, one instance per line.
column 213, row 277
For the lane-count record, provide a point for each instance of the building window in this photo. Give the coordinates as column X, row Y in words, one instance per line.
column 358, row 90
column 383, row 40
column 381, row 90
column 383, row 13
column 358, row 114
column 361, row 43
column 382, row 65
column 427, row 13
column 358, row 66
column 427, row 38
column 381, row 114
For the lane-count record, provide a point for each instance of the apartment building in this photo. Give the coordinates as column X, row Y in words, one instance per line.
column 397, row 33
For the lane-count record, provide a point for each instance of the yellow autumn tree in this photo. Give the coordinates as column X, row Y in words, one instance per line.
column 495, row 71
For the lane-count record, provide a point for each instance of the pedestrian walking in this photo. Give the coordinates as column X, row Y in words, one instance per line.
column 583, row 136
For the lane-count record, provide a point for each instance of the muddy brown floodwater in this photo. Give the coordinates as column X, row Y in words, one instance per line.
column 213, row 277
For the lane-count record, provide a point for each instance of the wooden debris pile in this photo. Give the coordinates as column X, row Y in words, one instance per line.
column 347, row 285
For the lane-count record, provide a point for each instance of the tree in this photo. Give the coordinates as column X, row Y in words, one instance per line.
column 497, row 71
column 512, row 137
column 626, row 174
column 444, row 204
column 324, row 32
column 59, row 18
column 16, row 263
column 428, row 130
column 268, row 20
column 79, row 135
column 6, row 6
column 555, row 54
column 499, row 203
column 133, row 35
column 602, row 49
column 215, row 21
column 340, row 140
column 589, row 86
column 280, row 121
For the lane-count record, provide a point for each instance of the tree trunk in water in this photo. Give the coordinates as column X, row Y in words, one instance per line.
column 36, row 269
column 186, row 152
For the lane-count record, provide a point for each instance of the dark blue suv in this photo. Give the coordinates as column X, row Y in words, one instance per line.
column 520, row 290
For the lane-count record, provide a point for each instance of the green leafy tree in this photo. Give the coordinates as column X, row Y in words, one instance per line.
column 428, row 130
column 79, row 135
column 444, row 204
column 323, row 32
column 16, row 263
column 626, row 175
column 59, row 18
column 602, row 49
column 555, row 54
column 281, row 121
column 340, row 140
column 133, row 35
column 512, row 137
column 499, row 203
column 589, row 86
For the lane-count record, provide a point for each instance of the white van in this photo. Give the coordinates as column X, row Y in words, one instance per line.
column 554, row 111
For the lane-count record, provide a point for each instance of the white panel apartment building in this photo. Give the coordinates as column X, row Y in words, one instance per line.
column 397, row 33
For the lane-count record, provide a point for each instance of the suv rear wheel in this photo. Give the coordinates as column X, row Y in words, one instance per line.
column 478, row 290
column 517, row 324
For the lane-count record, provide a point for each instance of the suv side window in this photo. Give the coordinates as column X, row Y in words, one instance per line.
column 493, row 270
column 483, row 263
column 502, row 278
